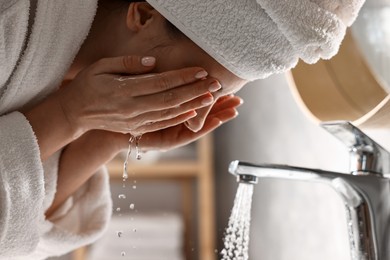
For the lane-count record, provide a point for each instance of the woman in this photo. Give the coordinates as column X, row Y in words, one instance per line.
column 75, row 85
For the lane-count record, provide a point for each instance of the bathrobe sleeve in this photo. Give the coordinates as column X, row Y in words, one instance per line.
column 27, row 189
column 21, row 187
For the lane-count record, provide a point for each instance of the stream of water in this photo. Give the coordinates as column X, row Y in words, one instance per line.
column 236, row 241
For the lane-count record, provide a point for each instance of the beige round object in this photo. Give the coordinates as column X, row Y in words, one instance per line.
column 343, row 88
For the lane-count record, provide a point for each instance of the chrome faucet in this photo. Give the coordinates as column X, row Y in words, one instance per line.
column 365, row 190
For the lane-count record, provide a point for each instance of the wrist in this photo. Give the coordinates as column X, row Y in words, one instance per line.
column 50, row 126
column 68, row 108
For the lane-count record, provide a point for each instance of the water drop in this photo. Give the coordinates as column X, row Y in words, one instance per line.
column 125, row 174
column 134, row 187
column 134, row 230
column 118, row 209
column 138, row 155
column 119, row 233
column 123, row 253
column 132, row 206
column 122, row 196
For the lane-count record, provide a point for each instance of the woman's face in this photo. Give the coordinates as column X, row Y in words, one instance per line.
column 174, row 51
column 178, row 52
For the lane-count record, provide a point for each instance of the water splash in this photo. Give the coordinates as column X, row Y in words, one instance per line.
column 138, row 155
column 137, row 148
column 236, row 239
column 125, row 174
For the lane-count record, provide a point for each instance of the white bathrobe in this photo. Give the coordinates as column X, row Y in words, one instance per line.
column 38, row 41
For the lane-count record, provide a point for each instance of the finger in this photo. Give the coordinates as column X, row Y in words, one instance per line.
column 164, row 124
column 196, row 123
column 178, row 96
column 211, row 124
column 166, row 81
column 175, row 136
column 155, row 116
column 124, row 65
column 225, row 115
column 227, row 102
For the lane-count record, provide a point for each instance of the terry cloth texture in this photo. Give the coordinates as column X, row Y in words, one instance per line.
column 256, row 38
column 38, row 41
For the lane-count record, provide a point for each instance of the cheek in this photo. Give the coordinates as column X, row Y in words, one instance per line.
column 172, row 58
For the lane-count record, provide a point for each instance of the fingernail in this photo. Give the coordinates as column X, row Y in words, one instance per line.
column 201, row 74
column 214, row 86
column 207, row 100
column 148, row 61
column 193, row 113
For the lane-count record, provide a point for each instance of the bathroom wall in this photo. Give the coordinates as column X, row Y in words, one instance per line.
column 290, row 220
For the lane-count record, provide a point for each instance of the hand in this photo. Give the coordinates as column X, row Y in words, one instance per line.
column 223, row 111
column 111, row 95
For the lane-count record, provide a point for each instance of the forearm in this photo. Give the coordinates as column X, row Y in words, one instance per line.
column 79, row 161
column 50, row 125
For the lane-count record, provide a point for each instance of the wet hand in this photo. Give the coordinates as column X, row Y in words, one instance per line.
column 224, row 110
column 115, row 94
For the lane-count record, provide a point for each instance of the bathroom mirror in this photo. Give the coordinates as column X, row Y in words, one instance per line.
column 353, row 85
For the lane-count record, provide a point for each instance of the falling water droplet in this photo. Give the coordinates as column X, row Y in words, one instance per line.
column 134, row 187
column 119, row 233
column 125, row 173
column 122, row 196
column 123, row 253
column 137, row 148
column 118, row 209
column 132, row 206
column 134, row 230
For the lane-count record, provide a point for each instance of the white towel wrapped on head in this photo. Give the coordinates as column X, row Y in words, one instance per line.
column 257, row 38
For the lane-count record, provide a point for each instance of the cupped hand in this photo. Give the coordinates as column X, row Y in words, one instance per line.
column 116, row 94
column 110, row 143
column 224, row 110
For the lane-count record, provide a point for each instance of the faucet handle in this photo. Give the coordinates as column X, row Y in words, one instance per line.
column 366, row 156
